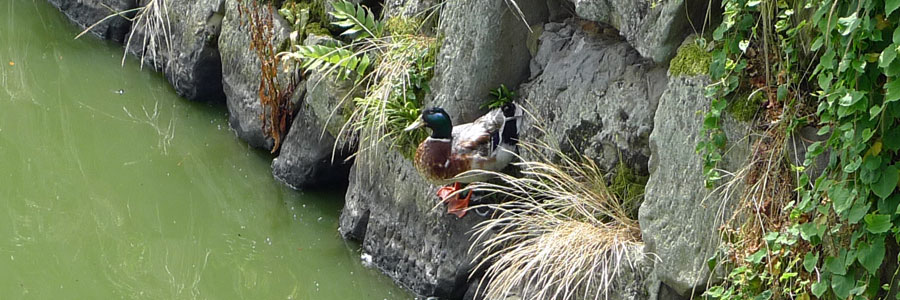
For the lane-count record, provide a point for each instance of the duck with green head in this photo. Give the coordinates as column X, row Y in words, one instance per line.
column 488, row 143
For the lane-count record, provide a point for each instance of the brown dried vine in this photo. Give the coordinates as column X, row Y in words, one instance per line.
column 274, row 100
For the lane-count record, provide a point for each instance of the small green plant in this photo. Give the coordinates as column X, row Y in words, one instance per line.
column 305, row 17
column 499, row 97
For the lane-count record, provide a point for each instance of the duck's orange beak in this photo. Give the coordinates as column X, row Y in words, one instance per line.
column 415, row 125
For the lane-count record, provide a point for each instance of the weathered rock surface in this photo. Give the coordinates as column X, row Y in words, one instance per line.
column 680, row 217
column 412, row 239
column 241, row 75
column 85, row 13
column 654, row 27
column 410, row 8
column 188, row 53
column 484, row 46
column 592, row 91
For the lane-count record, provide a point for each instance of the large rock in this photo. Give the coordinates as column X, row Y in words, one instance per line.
column 593, row 92
column 85, row 13
column 308, row 156
column 654, row 27
column 680, row 218
column 241, row 75
column 410, row 237
column 305, row 159
column 187, row 53
column 484, row 45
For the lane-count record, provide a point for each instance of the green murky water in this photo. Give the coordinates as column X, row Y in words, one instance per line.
column 144, row 195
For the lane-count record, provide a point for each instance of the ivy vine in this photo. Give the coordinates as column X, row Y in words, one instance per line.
column 830, row 64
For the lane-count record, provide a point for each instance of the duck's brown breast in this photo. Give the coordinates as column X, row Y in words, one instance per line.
column 436, row 162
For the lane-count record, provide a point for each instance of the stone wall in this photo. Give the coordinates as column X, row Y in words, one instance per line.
column 592, row 72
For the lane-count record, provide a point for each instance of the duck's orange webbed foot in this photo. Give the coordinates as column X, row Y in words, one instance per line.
column 455, row 205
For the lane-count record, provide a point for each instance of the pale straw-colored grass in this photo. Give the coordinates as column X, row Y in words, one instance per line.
column 560, row 235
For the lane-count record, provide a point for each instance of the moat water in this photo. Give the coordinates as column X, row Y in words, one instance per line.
column 111, row 186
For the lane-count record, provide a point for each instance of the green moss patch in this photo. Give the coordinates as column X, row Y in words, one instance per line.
column 628, row 187
column 400, row 25
column 744, row 107
column 691, row 60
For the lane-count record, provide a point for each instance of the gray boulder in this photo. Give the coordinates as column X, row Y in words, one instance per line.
column 241, row 75
column 484, row 46
column 306, row 159
column 188, row 54
column 410, row 236
column 680, row 218
column 593, row 93
column 85, row 13
column 654, row 27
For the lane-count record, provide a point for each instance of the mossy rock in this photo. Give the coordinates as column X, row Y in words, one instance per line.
column 628, row 187
column 691, row 60
column 744, row 107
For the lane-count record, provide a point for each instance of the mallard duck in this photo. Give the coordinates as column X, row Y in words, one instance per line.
column 488, row 143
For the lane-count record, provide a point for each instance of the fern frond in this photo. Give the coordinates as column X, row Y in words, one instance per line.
column 331, row 60
column 357, row 20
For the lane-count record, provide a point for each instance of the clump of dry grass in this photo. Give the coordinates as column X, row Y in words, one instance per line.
column 152, row 19
column 563, row 234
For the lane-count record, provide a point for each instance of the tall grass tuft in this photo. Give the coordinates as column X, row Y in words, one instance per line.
column 562, row 233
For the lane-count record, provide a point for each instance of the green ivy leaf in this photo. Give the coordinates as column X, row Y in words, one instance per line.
column 715, row 292
column 871, row 255
column 840, row 199
column 885, row 186
column 819, row 288
column 889, row 205
column 836, row 264
column 808, row 231
column 878, row 223
column 892, row 90
column 849, row 22
column 815, row 149
column 853, row 165
column 757, row 257
column 810, row 261
column 858, row 211
column 887, row 56
column 875, row 111
column 817, row 43
column 890, row 6
column 842, row 284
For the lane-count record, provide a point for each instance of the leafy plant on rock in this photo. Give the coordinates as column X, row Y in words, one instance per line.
column 393, row 67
